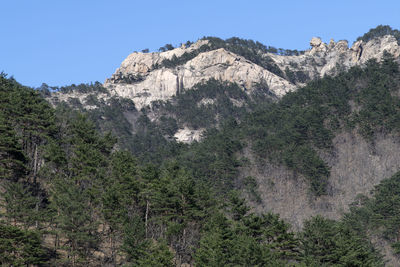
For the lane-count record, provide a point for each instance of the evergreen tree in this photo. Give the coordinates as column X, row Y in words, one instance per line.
column 326, row 242
column 135, row 244
column 12, row 158
column 20, row 247
column 20, row 204
column 74, row 220
column 158, row 255
column 120, row 206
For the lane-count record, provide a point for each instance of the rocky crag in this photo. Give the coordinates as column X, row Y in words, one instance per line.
column 147, row 77
column 143, row 78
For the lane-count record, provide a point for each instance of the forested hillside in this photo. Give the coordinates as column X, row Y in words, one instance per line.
column 69, row 198
column 109, row 185
column 77, row 201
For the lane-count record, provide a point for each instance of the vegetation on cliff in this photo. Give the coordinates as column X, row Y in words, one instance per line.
column 112, row 187
column 380, row 31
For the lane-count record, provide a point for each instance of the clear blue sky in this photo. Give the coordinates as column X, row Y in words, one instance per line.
column 61, row 42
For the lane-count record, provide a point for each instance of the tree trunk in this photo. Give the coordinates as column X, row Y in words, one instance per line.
column 55, row 242
column 146, row 216
column 35, row 164
column 112, row 243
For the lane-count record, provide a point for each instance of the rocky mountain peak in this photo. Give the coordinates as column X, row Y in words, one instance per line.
column 143, row 78
column 317, row 45
column 147, row 77
column 139, row 63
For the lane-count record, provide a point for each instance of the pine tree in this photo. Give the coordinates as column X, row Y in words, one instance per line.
column 119, row 204
column 326, row 242
column 135, row 244
column 158, row 255
column 75, row 220
column 20, row 203
column 20, row 247
column 12, row 158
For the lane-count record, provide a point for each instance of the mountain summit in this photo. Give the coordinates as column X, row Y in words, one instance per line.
column 147, row 77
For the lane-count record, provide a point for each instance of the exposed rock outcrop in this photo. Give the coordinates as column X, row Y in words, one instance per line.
column 142, row 78
column 317, row 46
column 357, row 49
column 187, row 135
column 163, row 83
column 142, row 63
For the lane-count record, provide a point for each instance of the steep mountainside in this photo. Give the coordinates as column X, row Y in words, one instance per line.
column 144, row 78
column 217, row 153
column 356, row 166
column 260, row 71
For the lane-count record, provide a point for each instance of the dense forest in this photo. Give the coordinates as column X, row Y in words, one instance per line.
column 82, row 188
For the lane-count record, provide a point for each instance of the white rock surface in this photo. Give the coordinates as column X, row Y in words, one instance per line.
column 187, row 135
column 205, row 102
column 156, row 83
column 324, row 59
column 142, row 63
column 162, row 84
column 59, row 97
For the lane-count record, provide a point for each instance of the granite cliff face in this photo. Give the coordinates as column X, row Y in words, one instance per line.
column 162, row 84
column 143, row 78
